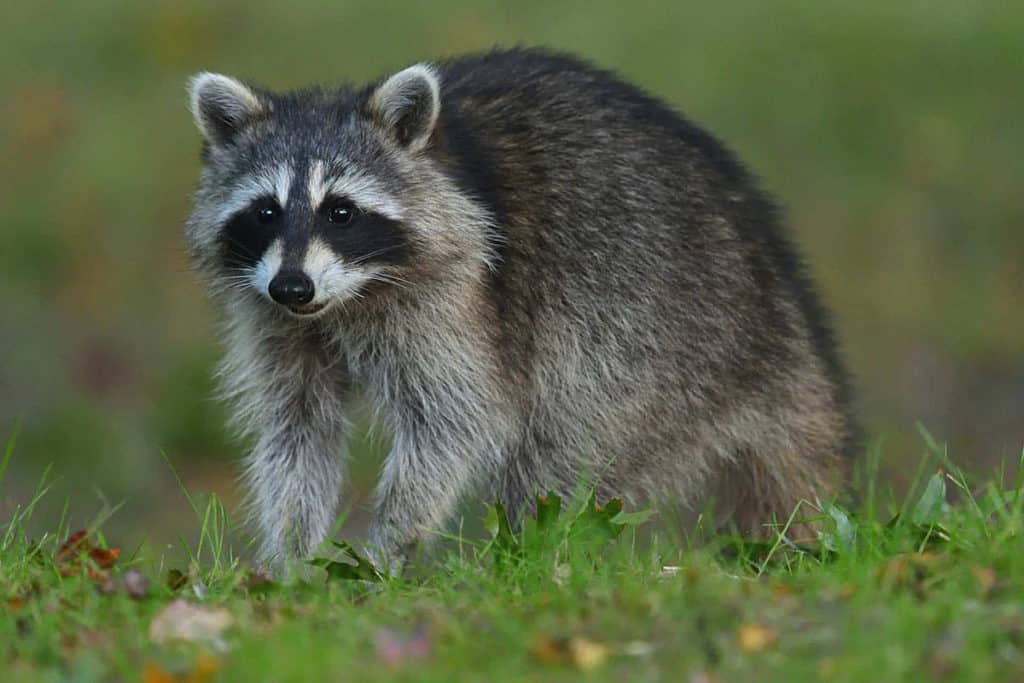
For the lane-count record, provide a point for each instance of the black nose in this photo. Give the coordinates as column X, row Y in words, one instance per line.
column 291, row 289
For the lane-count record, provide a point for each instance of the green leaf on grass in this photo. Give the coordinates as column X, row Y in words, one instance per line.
column 594, row 523
column 504, row 544
column 845, row 534
column 549, row 507
column 360, row 569
column 928, row 508
column 994, row 500
column 632, row 518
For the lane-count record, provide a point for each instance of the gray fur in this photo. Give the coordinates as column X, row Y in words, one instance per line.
column 591, row 289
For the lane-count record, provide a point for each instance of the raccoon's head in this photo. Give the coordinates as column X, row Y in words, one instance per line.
column 311, row 198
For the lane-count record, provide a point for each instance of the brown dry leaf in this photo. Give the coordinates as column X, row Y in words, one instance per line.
column 908, row 570
column 77, row 549
column 176, row 580
column 576, row 651
column 183, row 620
column 754, row 637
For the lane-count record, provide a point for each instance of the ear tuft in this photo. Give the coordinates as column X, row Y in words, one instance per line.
column 221, row 106
column 407, row 105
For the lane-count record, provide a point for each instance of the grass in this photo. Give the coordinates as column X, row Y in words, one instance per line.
column 916, row 588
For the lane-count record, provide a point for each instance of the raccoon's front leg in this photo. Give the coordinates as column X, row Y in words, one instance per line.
column 290, row 400
column 294, row 477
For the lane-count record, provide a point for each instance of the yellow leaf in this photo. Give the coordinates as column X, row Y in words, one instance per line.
column 755, row 637
column 206, row 666
column 578, row 652
column 151, row 673
column 202, row 671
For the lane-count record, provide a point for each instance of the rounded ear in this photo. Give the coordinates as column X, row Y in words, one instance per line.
column 407, row 104
column 221, row 106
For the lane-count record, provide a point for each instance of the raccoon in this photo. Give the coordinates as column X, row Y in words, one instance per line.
column 538, row 274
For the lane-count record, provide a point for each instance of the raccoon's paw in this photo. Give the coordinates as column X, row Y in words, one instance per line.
column 388, row 557
column 285, row 569
column 388, row 561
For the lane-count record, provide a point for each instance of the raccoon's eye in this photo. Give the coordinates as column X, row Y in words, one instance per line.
column 342, row 213
column 266, row 214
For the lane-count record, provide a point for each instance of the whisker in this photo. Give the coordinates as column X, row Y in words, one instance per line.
column 373, row 254
column 390, row 279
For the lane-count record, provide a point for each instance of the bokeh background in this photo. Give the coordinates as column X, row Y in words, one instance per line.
column 892, row 132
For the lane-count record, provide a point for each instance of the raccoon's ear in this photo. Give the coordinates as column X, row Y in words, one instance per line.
column 221, row 106
column 406, row 105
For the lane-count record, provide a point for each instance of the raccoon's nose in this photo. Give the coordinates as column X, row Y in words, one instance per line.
column 291, row 289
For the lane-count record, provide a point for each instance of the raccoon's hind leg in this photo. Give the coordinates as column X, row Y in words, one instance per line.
column 759, row 493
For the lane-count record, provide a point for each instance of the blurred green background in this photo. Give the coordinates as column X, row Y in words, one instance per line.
column 892, row 132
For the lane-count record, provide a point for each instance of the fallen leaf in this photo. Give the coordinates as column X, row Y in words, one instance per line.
column 77, row 550
column 206, row 666
column 754, row 637
column 360, row 569
column 909, row 570
column 576, row 651
column 182, row 620
column 847, row 590
column 176, row 580
column 136, row 584
column 151, row 673
column 395, row 648
column 202, row 671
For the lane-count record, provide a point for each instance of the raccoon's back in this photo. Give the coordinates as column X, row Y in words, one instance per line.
column 590, row 180
column 621, row 220
column 535, row 130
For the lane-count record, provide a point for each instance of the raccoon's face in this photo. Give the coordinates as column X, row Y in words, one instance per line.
column 309, row 198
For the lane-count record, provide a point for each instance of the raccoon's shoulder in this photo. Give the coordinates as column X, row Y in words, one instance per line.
column 501, row 69
column 540, row 86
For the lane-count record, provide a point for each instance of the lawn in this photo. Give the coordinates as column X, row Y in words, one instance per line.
column 919, row 588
